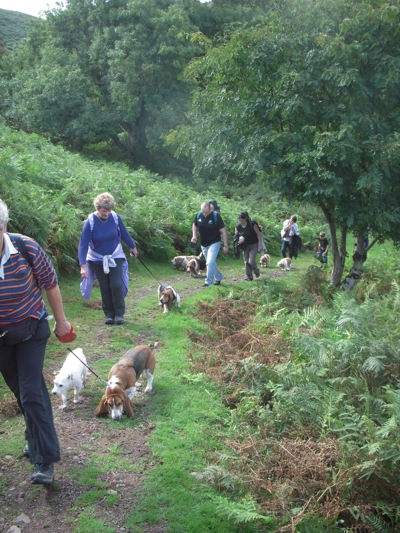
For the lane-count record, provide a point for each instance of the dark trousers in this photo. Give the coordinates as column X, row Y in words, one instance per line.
column 21, row 366
column 285, row 246
column 250, row 254
column 111, row 288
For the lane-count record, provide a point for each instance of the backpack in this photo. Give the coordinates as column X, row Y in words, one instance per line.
column 115, row 217
column 255, row 223
column 214, row 216
column 236, row 248
column 20, row 245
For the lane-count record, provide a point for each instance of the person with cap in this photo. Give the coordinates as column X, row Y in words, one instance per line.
column 252, row 243
column 211, row 227
column 214, row 206
column 25, row 270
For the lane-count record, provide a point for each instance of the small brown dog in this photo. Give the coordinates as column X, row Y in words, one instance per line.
column 121, row 386
column 265, row 260
column 285, row 264
column 167, row 296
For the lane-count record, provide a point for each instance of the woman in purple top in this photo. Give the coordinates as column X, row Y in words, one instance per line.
column 101, row 255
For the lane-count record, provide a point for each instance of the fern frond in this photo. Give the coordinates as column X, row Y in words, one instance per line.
column 242, row 512
column 395, row 293
column 216, row 475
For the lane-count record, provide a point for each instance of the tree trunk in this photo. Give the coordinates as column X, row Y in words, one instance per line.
column 337, row 249
column 359, row 256
column 338, row 253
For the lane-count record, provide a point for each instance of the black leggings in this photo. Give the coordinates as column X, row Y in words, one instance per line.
column 22, row 366
column 111, row 288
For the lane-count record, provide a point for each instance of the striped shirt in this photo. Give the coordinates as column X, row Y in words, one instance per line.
column 20, row 285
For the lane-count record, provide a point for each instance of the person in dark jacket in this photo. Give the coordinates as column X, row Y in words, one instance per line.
column 211, row 227
column 252, row 243
column 323, row 247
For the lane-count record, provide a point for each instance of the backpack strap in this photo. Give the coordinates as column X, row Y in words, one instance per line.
column 20, row 245
column 215, row 217
column 115, row 217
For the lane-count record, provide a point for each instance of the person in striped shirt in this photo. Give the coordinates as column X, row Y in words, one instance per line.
column 24, row 331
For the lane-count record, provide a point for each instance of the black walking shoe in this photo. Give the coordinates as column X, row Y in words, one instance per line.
column 109, row 321
column 206, row 285
column 43, row 473
column 25, row 451
column 248, row 279
column 217, row 283
column 119, row 320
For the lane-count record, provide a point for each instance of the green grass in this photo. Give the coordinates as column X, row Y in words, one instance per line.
column 190, row 420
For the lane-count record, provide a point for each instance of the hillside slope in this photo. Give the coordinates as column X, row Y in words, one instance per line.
column 13, row 27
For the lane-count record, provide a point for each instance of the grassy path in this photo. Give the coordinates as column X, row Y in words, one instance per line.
column 140, row 475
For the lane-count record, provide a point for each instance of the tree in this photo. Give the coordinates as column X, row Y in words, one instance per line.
column 309, row 101
column 105, row 70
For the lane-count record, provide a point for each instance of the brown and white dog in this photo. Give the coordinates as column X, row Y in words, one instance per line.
column 180, row 261
column 285, row 264
column 122, row 382
column 195, row 266
column 167, row 296
column 265, row 260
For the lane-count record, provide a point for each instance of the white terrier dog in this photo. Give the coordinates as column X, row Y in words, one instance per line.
column 72, row 375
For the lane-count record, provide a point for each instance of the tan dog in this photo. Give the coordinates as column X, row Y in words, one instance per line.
column 168, row 296
column 122, row 378
column 285, row 264
column 265, row 260
column 180, row 261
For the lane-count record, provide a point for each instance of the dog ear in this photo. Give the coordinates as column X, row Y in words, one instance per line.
column 102, row 407
column 128, row 409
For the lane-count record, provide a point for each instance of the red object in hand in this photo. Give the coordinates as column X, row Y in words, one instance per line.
column 68, row 337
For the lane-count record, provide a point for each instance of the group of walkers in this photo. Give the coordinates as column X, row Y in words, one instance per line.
column 25, row 270
column 248, row 238
column 209, row 224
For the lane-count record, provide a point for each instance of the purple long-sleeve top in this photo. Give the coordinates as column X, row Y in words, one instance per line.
column 104, row 239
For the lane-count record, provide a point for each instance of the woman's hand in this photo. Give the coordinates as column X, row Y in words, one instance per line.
column 62, row 327
column 84, row 271
column 134, row 252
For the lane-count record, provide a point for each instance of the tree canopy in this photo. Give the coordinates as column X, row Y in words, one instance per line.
column 309, row 101
column 112, row 70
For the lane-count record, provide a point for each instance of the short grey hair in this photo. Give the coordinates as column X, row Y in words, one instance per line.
column 3, row 214
column 105, row 200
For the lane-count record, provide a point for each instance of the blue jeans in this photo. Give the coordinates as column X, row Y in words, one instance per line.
column 322, row 258
column 21, row 366
column 285, row 246
column 211, row 254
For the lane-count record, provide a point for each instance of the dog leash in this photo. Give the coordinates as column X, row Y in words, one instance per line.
column 162, row 284
column 88, row 367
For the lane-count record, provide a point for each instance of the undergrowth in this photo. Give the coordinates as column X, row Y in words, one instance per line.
column 315, row 402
